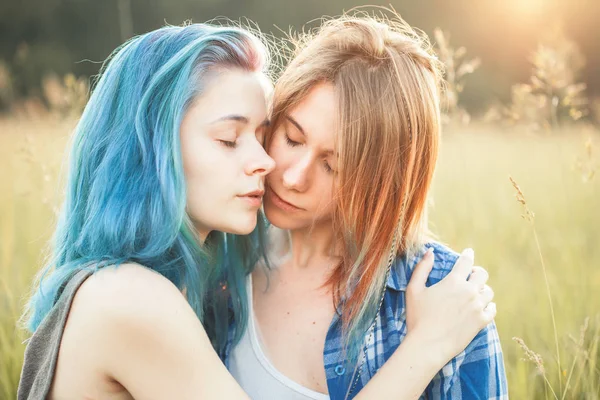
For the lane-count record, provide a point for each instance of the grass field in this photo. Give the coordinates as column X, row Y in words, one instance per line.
column 474, row 205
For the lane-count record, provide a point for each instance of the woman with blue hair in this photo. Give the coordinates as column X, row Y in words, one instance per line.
column 167, row 172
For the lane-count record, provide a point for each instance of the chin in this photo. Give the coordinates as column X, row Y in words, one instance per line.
column 280, row 219
column 243, row 225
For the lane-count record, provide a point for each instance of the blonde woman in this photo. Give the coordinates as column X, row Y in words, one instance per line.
column 355, row 129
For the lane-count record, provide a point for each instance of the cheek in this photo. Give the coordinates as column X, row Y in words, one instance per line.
column 325, row 202
column 198, row 183
column 206, row 172
column 274, row 147
column 197, row 160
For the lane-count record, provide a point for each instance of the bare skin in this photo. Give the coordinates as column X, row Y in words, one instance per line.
column 123, row 340
column 294, row 311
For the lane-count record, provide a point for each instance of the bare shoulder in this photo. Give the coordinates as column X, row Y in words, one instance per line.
column 129, row 324
column 125, row 281
column 128, row 300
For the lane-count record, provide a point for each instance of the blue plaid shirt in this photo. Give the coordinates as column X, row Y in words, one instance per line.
column 476, row 373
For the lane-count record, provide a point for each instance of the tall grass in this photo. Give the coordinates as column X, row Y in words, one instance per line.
column 473, row 206
column 544, row 268
column 31, row 154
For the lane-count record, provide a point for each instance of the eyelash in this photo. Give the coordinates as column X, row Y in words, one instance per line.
column 290, row 141
column 231, row 145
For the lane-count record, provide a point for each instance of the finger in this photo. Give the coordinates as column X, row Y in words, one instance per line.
column 422, row 270
column 487, row 295
column 489, row 312
column 464, row 265
column 479, row 276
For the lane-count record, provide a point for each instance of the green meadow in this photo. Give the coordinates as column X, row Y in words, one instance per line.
column 544, row 270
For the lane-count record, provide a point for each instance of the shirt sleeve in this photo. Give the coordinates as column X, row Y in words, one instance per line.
column 476, row 373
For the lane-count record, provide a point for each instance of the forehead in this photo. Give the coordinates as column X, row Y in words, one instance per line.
column 234, row 92
column 317, row 113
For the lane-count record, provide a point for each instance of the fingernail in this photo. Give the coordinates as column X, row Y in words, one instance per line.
column 429, row 252
column 469, row 253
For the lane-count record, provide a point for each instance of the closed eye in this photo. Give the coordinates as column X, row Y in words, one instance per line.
column 290, row 141
column 226, row 143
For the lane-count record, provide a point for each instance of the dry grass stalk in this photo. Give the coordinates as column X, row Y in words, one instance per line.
column 579, row 348
column 586, row 164
column 6, row 86
column 456, row 68
column 553, row 94
column 66, row 96
column 537, row 360
column 595, row 109
column 529, row 216
column 531, row 355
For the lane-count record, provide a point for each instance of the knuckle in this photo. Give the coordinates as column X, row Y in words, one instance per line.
column 472, row 291
column 486, row 318
column 479, row 274
column 468, row 261
column 479, row 306
column 482, row 271
column 491, row 311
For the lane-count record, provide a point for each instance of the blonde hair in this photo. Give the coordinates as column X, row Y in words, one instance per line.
column 387, row 82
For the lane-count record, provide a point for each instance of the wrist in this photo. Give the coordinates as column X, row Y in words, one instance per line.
column 431, row 352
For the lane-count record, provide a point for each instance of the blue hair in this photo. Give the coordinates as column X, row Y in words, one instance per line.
column 126, row 195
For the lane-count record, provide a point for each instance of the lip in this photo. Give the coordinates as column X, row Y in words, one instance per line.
column 253, row 198
column 282, row 204
column 259, row 193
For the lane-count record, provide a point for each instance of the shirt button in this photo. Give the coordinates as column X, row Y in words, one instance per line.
column 340, row 370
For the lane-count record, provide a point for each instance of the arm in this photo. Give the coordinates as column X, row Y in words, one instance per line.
column 441, row 321
column 406, row 374
column 139, row 330
column 477, row 373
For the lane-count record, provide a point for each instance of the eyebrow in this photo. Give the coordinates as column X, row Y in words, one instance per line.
column 240, row 118
column 296, row 124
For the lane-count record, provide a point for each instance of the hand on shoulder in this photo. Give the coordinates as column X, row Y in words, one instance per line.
column 449, row 313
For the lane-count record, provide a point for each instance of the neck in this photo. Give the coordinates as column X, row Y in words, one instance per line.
column 312, row 247
column 202, row 234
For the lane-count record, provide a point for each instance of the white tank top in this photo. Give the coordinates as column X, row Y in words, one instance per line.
column 254, row 372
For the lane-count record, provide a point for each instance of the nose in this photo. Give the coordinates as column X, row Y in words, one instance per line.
column 260, row 164
column 295, row 177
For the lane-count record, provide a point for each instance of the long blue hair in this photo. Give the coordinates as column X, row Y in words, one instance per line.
column 126, row 194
